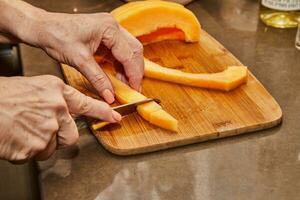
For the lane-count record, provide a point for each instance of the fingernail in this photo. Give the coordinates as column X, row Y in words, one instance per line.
column 108, row 96
column 116, row 116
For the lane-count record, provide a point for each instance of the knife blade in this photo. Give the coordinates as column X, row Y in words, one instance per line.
column 129, row 108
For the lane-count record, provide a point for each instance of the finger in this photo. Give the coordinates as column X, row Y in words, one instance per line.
column 127, row 50
column 67, row 134
column 48, row 152
column 137, row 59
column 81, row 104
column 96, row 76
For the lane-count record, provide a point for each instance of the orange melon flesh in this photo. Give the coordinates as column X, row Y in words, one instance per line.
column 164, row 119
column 153, row 20
column 226, row 80
column 148, row 111
column 99, row 59
column 162, row 34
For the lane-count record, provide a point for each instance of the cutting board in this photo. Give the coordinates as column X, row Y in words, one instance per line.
column 202, row 114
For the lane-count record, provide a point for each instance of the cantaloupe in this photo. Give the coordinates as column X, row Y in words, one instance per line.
column 226, row 80
column 162, row 34
column 152, row 112
column 164, row 119
column 153, row 21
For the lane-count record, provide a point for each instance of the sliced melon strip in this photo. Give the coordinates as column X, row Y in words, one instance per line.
column 145, row 110
column 226, row 80
column 164, row 119
column 147, row 17
column 125, row 94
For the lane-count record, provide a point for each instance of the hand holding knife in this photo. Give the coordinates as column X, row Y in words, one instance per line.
column 124, row 110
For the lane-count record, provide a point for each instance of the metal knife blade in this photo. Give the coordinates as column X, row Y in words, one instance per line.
column 129, row 108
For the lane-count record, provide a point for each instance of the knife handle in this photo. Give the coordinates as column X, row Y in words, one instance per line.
column 99, row 125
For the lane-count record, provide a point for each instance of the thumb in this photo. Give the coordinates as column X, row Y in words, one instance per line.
column 97, row 77
column 81, row 104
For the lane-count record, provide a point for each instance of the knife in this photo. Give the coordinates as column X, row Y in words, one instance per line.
column 124, row 110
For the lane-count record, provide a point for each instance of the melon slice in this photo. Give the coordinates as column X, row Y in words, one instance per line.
column 152, row 112
column 164, row 119
column 226, row 80
column 146, row 110
column 152, row 21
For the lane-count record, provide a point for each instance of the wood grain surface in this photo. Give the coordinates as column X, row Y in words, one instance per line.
column 202, row 114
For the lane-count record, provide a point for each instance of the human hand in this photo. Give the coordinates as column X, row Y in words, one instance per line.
column 74, row 38
column 35, row 116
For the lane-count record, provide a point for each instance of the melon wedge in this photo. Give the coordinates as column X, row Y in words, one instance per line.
column 164, row 119
column 153, row 21
column 152, row 112
column 226, row 80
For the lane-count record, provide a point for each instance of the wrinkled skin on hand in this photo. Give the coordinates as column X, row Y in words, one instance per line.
column 35, row 116
column 73, row 39
column 35, row 112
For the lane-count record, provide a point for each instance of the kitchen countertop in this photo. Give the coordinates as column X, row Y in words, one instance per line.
column 260, row 165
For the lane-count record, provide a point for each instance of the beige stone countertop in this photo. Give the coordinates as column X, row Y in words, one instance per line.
column 260, row 165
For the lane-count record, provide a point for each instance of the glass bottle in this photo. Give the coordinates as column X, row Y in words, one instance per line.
column 280, row 13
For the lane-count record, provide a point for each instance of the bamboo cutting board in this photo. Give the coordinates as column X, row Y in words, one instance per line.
column 202, row 114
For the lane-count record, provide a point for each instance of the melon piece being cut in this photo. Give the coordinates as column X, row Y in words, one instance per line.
column 153, row 21
column 164, row 119
column 226, row 80
column 152, row 112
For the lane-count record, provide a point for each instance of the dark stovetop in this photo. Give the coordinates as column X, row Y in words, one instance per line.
column 10, row 64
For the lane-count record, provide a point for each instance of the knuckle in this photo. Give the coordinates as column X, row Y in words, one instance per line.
column 25, row 154
column 107, row 109
column 99, row 80
column 30, row 151
column 106, row 114
column 61, row 106
column 110, row 19
column 57, row 82
column 42, row 145
column 84, row 105
column 111, row 30
column 83, row 58
column 72, row 140
column 81, row 62
column 139, row 48
column 53, row 126
column 75, row 138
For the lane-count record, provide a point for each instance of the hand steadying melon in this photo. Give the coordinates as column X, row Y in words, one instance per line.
column 153, row 21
